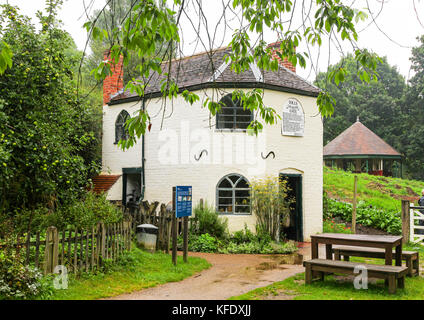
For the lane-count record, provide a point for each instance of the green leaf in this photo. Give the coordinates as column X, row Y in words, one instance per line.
column 5, row 57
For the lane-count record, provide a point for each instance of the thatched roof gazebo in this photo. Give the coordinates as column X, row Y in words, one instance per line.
column 358, row 149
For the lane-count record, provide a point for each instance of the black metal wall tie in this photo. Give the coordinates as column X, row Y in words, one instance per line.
column 270, row 153
column 201, row 154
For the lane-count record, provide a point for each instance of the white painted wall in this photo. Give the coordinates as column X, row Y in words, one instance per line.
column 113, row 158
column 293, row 154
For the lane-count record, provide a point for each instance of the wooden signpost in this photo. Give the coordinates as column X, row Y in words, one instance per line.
column 185, row 239
column 182, row 208
column 174, row 229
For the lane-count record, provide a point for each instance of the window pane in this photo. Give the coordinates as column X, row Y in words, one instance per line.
column 225, row 209
column 247, row 118
column 241, row 112
column 225, row 193
column 224, row 117
column 228, row 111
column 234, row 178
column 225, row 201
column 242, row 193
column 242, row 209
column 241, row 125
column 242, row 184
column 227, row 101
column 242, row 202
column 225, row 184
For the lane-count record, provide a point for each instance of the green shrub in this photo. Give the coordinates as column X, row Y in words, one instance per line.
column 86, row 213
column 243, row 236
column 18, row 281
column 260, row 248
column 270, row 204
column 245, row 247
column 91, row 210
column 243, row 241
column 210, row 222
column 204, row 243
column 388, row 221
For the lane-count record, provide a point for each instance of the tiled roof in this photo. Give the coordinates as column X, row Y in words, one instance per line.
column 358, row 140
column 198, row 70
column 103, row 183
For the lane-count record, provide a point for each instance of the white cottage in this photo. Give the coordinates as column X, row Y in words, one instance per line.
column 215, row 155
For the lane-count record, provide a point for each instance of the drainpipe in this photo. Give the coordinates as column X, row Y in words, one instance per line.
column 143, row 160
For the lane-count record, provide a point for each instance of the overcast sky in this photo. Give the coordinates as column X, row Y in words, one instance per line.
column 400, row 20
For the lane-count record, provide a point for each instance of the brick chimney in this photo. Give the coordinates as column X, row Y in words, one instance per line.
column 285, row 63
column 114, row 83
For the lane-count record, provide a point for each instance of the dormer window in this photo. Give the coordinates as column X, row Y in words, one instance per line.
column 121, row 133
column 232, row 115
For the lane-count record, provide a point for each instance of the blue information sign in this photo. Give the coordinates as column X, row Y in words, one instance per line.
column 183, row 200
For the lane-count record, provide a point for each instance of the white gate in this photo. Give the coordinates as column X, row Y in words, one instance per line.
column 415, row 215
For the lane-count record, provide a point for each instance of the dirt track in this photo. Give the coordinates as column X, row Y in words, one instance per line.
column 230, row 275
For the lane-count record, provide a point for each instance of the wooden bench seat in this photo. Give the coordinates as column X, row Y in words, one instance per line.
column 392, row 274
column 410, row 257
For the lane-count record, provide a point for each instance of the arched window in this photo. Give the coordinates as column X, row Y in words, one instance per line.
column 120, row 132
column 233, row 195
column 232, row 115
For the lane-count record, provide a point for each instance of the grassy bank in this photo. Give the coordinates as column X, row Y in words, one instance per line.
column 380, row 192
column 139, row 270
column 332, row 289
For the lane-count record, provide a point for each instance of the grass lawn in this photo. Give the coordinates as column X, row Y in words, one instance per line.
column 138, row 271
column 330, row 289
column 380, row 192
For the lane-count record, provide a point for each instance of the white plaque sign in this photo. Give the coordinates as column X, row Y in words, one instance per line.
column 293, row 119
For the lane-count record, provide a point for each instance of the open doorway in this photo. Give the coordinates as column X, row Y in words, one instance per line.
column 295, row 229
column 131, row 186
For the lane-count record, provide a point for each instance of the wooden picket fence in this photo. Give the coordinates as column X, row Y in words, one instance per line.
column 77, row 249
column 158, row 215
column 82, row 250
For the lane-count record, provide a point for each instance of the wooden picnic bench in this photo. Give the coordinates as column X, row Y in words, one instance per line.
column 394, row 275
column 387, row 243
column 411, row 258
column 391, row 274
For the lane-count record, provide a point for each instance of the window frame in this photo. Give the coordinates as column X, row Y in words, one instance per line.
column 234, row 107
column 233, row 190
column 124, row 115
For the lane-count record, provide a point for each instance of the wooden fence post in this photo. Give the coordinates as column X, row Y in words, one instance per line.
column 102, row 232
column 163, row 226
column 167, row 232
column 98, row 244
column 129, row 233
column 174, row 239
column 51, row 252
column 75, row 251
column 355, row 189
column 406, row 227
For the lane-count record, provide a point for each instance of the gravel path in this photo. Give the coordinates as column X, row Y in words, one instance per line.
column 230, row 275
